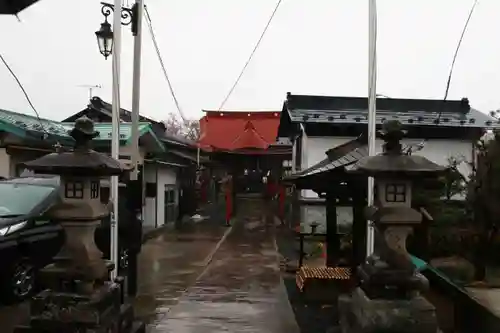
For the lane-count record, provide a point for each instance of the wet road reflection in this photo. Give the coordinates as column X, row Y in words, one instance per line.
column 169, row 264
column 241, row 290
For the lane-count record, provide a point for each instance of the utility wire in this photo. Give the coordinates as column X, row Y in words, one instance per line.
column 158, row 53
column 25, row 93
column 251, row 54
column 450, row 75
column 456, row 54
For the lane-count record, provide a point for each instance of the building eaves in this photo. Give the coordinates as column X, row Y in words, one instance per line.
column 343, row 155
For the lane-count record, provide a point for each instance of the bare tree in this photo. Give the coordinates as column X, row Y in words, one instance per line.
column 189, row 129
column 192, row 129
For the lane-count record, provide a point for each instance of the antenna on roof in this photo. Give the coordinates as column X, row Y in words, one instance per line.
column 90, row 88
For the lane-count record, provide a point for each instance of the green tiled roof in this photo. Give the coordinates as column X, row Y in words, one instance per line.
column 19, row 124
column 105, row 130
column 27, row 126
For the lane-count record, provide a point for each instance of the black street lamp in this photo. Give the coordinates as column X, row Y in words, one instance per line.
column 105, row 39
column 105, row 33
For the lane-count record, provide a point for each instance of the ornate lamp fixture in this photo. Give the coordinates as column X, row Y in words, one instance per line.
column 105, row 33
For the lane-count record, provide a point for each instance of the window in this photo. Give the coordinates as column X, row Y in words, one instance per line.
column 94, row 190
column 395, row 193
column 21, row 199
column 105, row 195
column 73, row 190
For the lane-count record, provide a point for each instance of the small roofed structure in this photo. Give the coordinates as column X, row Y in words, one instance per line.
column 337, row 190
column 389, row 298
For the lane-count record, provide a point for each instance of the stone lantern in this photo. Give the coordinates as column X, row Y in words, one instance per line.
column 389, row 298
column 80, row 298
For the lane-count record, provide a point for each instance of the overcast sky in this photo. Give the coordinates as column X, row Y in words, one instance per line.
column 312, row 47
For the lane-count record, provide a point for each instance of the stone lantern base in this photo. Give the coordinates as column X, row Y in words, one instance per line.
column 360, row 314
column 103, row 311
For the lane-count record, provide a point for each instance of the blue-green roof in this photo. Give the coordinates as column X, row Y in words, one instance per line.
column 105, row 130
column 22, row 124
column 27, row 126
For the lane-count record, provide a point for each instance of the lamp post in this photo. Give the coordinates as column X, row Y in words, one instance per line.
column 372, row 110
column 133, row 17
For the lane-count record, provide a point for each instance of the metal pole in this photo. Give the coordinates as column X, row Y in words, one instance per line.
column 134, row 198
column 136, row 88
column 372, row 109
column 198, row 157
column 115, row 130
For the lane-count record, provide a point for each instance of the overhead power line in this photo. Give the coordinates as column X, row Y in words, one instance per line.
column 456, row 53
column 158, row 53
column 419, row 146
column 25, row 94
column 251, row 54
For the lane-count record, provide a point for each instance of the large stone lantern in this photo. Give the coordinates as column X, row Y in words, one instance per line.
column 389, row 298
column 80, row 298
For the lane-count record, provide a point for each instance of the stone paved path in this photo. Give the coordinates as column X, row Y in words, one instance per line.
column 241, row 290
column 170, row 263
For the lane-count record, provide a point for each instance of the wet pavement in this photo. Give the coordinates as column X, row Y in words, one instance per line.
column 170, row 263
column 241, row 290
column 13, row 315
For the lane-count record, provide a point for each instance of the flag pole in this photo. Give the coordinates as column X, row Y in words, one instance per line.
column 372, row 109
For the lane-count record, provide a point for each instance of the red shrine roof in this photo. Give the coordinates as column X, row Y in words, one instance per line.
column 236, row 130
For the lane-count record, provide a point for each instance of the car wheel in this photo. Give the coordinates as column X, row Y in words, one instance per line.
column 20, row 282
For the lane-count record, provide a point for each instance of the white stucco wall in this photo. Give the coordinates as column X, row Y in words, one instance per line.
column 437, row 150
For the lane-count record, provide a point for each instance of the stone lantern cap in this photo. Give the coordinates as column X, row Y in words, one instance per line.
column 393, row 162
column 82, row 161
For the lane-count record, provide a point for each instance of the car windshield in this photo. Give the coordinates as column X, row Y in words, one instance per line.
column 20, row 199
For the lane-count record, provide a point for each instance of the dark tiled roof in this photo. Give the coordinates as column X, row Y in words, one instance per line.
column 344, row 155
column 189, row 156
column 351, row 110
column 177, row 140
column 97, row 104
